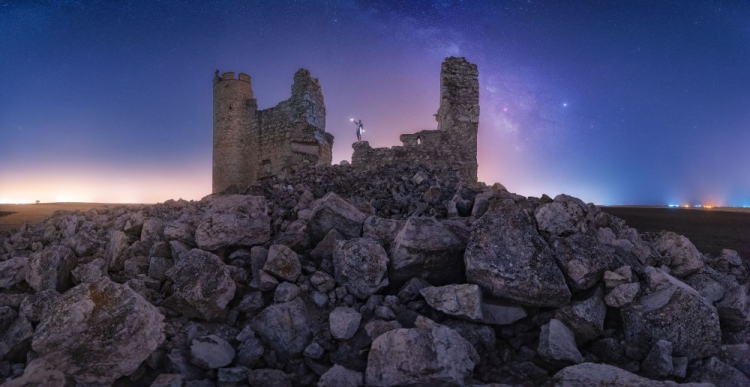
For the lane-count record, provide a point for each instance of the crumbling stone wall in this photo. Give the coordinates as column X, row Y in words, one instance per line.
column 454, row 143
column 252, row 144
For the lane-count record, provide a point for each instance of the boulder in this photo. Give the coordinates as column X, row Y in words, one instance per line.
column 50, row 268
column 658, row 362
column 84, row 243
column 460, row 300
column 708, row 287
column 382, row 230
column 34, row 306
column 152, row 231
column 564, row 216
column 508, row 258
column 333, row 212
column 679, row 254
column 202, row 285
column 234, row 220
column 98, row 332
column 284, row 327
column 361, row 265
column 180, row 231
column 585, row 317
column 582, row 259
column 338, row 376
column 676, row 313
column 590, row 374
column 39, row 372
column 734, row 308
column 557, row 342
column 90, row 272
column 425, row 355
column 283, row 263
column 117, row 250
column 324, row 249
column 211, row 352
column 425, row 248
column 344, row 323
column 158, row 267
column 13, row 271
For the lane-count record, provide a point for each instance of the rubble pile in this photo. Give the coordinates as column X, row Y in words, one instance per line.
column 333, row 276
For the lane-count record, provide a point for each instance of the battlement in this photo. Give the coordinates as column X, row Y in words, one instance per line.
column 229, row 75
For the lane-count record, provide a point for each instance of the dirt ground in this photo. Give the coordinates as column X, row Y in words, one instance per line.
column 710, row 230
column 13, row 215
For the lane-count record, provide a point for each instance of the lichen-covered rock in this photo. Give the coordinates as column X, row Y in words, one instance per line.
column 582, row 259
column 344, row 323
column 361, row 265
column 678, row 314
column 211, row 352
column 202, row 285
column 283, row 263
column 234, row 220
column 585, row 317
column 460, row 300
column 13, row 271
column 284, row 327
column 564, row 216
column 333, row 212
column 557, row 342
column 99, row 332
column 679, row 254
column 50, row 268
column 508, row 258
column 427, row 354
column 425, row 248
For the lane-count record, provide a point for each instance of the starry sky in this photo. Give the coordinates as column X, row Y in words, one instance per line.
column 615, row 102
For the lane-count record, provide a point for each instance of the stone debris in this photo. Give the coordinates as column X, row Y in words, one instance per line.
column 400, row 274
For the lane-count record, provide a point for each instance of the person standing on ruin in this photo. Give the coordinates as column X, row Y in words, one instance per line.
column 359, row 129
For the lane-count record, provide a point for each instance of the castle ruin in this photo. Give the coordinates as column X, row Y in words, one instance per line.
column 454, row 143
column 251, row 144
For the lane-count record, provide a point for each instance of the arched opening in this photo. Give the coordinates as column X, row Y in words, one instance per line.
column 419, row 140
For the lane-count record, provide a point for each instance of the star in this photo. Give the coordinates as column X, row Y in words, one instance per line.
column 565, row 104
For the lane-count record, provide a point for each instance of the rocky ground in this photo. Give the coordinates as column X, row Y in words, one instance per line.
column 338, row 277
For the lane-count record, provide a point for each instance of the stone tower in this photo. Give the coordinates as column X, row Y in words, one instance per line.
column 251, row 144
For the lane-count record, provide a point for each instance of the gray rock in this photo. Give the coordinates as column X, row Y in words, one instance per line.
column 251, row 303
column 508, row 259
column 382, row 230
column 90, row 272
column 679, row 366
column 376, row 328
column 734, row 308
column 425, row 248
column 34, row 306
column 708, row 287
column 728, row 258
column 39, row 372
column 258, row 258
column 361, row 265
column 13, row 271
column 679, row 254
column 283, row 263
column 590, row 374
column 338, row 376
column 719, row 373
column 585, row 317
column 266, row 282
column 677, row 314
column 202, row 285
column 152, row 231
column 564, row 216
column 582, row 259
column 50, row 268
column 158, row 267
column 314, row 351
column 232, row 376
column 622, row 275
column 463, row 300
column 136, row 266
column 658, row 362
column 427, row 354
column 324, row 249
column 410, row 291
column 385, row 313
column 333, row 212
column 322, row 282
column 178, row 249
column 284, row 327
column 99, row 332
column 344, row 323
column 249, row 352
column 557, row 342
column 622, row 295
column 180, row 231
column 14, row 342
column 500, row 313
column 285, row 292
column 117, row 250
column 234, row 220
column 738, row 356
column 656, row 279
column 7, row 316
column 168, row 380
column 210, row 352
column 269, row 378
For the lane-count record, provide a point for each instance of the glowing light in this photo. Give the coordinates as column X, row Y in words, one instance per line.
column 565, row 104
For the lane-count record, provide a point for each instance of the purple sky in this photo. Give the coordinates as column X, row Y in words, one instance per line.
column 616, row 102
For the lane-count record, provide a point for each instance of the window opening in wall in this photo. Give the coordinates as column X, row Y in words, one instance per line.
column 419, row 141
column 266, row 167
column 230, row 106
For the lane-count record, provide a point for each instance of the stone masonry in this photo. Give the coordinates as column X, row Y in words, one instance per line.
column 251, row 144
column 454, row 143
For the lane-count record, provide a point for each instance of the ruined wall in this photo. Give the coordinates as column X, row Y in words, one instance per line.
column 251, row 144
column 454, row 143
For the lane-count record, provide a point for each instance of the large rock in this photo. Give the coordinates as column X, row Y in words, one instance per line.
column 585, row 317
column 508, row 258
column 13, row 271
column 99, row 332
column 234, row 220
column 557, row 342
column 152, row 231
column 338, row 376
column 211, row 352
column 283, row 263
column 117, row 250
column 361, row 265
column 460, row 300
column 284, row 327
column 382, row 230
column 333, row 212
column 425, row 248
column 658, row 362
column 344, row 323
column 39, row 373
column 590, row 374
column 679, row 254
column 677, row 313
column 564, row 216
column 202, row 285
column 734, row 308
column 14, row 342
column 428, row 354
column 84, row 243
column 50, row 268
column 582, row 259
column 719, row 373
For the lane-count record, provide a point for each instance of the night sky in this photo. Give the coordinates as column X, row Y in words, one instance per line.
column 615, row 102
